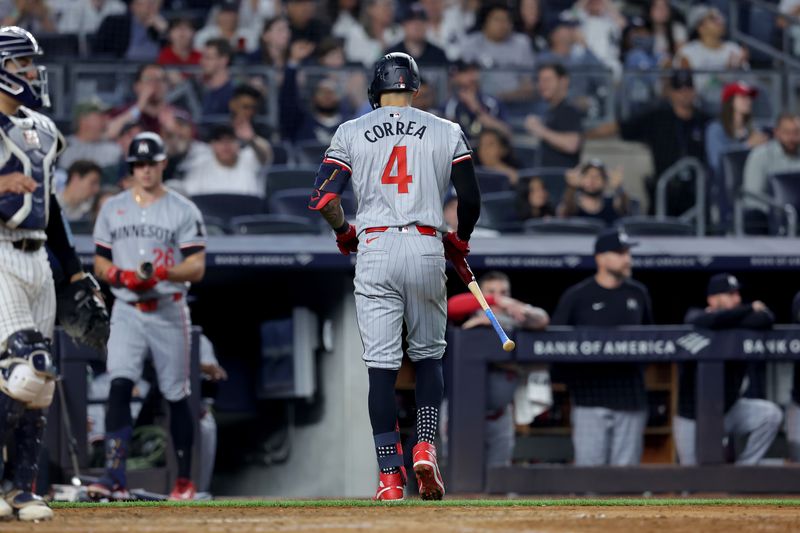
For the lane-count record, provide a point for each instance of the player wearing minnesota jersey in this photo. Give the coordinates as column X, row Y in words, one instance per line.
column 29, row 216
column 150, row 244
column 400, row 161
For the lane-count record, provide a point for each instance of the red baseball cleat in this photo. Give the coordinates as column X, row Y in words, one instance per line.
column 390, row 487
column 184, row 489
column 429, row 479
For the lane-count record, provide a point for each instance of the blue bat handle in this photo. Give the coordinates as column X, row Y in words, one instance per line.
column 496, row 325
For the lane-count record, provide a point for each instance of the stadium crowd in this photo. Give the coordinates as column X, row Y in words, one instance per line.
column 247, row 94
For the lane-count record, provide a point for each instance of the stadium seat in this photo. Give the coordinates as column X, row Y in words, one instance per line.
column 492, row 181
column 644, row 225
column 272, row 223
column 786, row 190
column 280, row 177
column 215, row 226
column 81, row 227
column 310, row 152
column 227, row 206
column 65, row 46
column 282, row 154
column 527, row 156
column 564, row 226
column 499, row 211
column 295, row 202
column 552, row 177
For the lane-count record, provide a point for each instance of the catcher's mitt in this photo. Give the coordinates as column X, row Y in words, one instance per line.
column 83, row 314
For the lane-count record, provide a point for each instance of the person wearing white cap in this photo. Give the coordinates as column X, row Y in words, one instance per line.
column 709, row 50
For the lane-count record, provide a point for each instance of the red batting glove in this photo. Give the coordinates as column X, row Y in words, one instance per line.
column 129, row 279
column 347, row 241
column 454, row 247
column 160, row 273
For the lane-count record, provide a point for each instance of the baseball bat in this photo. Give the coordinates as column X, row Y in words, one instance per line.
column 145, row 270
column 466, row 275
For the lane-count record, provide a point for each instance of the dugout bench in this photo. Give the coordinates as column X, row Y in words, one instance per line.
column 72, row 360
column 474, row 349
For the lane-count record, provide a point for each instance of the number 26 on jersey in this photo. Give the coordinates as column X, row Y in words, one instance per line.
column 401, row 178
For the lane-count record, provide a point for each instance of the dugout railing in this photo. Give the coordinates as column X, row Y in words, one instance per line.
column 472, row 351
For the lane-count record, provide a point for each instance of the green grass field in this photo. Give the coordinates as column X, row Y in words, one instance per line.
column 549, row 502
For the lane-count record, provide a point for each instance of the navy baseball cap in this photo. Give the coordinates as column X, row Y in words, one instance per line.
column 722, row 283
column 613, row 240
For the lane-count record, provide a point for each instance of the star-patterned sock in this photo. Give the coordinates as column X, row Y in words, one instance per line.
column 427, row 423
column 386, row 451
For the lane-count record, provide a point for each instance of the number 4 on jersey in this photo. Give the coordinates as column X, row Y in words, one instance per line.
column 402, row 178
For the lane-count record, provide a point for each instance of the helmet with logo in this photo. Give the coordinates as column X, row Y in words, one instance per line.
column 146, row 147
column 16, row 44
column 393, row 72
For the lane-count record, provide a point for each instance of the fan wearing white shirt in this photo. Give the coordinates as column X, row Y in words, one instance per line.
column 230, row 166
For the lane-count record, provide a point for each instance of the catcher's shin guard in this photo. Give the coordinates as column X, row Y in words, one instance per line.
column 28, row 440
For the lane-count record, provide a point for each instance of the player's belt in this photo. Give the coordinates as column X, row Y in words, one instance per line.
column 148, row 306
column 423, row 230
column 28, row 245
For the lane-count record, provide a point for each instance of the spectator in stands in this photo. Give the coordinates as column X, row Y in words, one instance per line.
column 135, row 36
column 469, row 107
column 710, row 50
column 447, row 25
column 83, row 17
column 183, row 149
column 534, row 200
column 560, row 132
column 503, row 379
column 757, row 419
column 668, row 33
column 229, row 168
column 253, row 13
column 330, row 53
column 426, row 98
column 530, row 22
column 602, row 25
column 80, row 191
column 225, row 25
column 414, row 41
column 126, row 135
column 498, row 46
column 671, row 131
column 33, row 15
column 106, row 192
column 494, row 152
column 592, row 193
column 734, row 129
column 179, row 49
column 90, row 139
column 609, row 401
column 638, row 46
column 366, row 43
column 245, row 105
column 304, row 22
column 793, row 409
column 345, row 15
column 450, row 214
column 781, row 154
column 150, row 108
column 274, row 47
column 216, row 85
column 318, row 123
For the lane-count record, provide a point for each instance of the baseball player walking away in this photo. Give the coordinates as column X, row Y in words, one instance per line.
column 150, row 244
column 401, row 161
column 29, row 216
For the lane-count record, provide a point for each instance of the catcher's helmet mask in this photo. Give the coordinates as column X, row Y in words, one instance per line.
column 16, row 44
column 146, row 147
column 395, row 72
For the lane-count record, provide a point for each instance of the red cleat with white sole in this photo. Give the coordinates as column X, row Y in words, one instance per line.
column 184, row 489
column 429, row 479
column 390, row 487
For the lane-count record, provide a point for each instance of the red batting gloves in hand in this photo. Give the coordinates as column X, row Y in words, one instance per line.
column 161, row 273
column 347, row 241
column 129, row 279
column 455, row 247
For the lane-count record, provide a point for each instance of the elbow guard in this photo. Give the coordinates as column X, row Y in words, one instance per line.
column 332, row 178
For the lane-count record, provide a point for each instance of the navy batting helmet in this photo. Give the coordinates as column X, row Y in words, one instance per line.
column 146, row 147
column 16, row 44
column 393, row 72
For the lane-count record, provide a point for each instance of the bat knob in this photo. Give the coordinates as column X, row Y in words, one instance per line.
column 145, row 270
column 509, row 345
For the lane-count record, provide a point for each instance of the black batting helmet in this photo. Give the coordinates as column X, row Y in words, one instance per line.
column 146, row 147
column 393, row 72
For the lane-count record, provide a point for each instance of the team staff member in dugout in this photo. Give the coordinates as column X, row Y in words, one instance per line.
column 758, row 419
column 609, row 403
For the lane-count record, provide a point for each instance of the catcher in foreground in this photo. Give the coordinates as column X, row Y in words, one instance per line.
column 29, row 216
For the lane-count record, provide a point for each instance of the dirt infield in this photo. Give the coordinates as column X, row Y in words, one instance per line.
column 683, row 518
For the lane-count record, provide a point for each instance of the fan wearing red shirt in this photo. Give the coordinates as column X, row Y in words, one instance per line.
column 179, row 51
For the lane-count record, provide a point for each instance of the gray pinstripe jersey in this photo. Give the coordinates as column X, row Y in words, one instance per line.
column 156, row 233
column 400, row 158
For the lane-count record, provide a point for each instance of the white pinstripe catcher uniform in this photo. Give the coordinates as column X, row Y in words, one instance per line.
column 400, row 159
column 30, row 143
column 157, row 233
